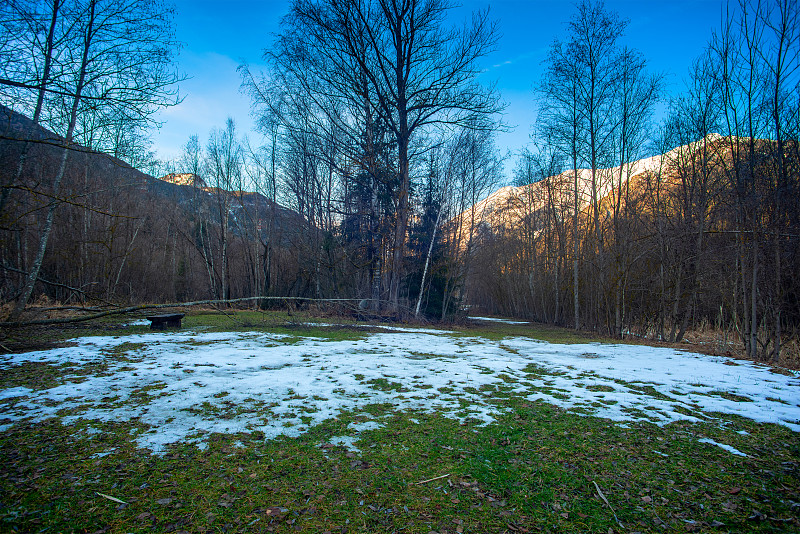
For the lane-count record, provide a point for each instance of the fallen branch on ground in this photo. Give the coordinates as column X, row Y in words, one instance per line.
column 607, row 504
column 110, row 498
column 432, row 479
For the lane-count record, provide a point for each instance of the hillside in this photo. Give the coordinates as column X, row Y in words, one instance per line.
column 511, row 203
column 184, row 178
column 682, row 238
column 120, row 234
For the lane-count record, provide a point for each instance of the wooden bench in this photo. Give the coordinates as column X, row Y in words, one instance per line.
column 168, row 320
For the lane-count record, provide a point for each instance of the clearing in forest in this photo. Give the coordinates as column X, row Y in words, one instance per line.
column 394, row 399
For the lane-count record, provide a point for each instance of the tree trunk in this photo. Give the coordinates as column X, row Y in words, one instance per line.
column 428, row 261
column 776, row 350
column 575, row 253
column 402, row 221
column 753, row 304
column 27, row 290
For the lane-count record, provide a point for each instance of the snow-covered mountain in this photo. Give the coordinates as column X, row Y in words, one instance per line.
column 184, row 178
column 510, row 203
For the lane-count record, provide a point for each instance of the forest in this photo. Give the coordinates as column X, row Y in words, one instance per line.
column 369, row 182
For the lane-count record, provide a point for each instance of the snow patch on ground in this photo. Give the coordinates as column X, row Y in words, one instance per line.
column 497, row 320
column 348, row 442
column 106, row 453
column 412, row 330
column 381, row 327
column 367, row 425
column 728, row 448
column 185, row 385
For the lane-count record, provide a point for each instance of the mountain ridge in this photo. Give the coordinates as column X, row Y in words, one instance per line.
column 121, row 234
column 509, row 199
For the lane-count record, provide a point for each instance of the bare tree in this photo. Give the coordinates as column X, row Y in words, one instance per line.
column 545, row 210
column 120, row 56
column 397, row 61
column 223, row 166
column 562, row 124
column 262, row 168
column 596, row 101
column 473, row 169
column 32, row 36
column 593, row 51
column 636, row 94
column 35, row 34
column 437, row 191
column 757, row 58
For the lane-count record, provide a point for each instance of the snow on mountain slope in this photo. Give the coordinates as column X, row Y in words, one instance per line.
column 509, row 202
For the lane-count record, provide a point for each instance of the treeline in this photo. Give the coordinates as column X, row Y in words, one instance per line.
column 707, row 234
column 330, row 227
column 120, row 236
column 94, row 72
column 317, row 225
column 377, row 149
column 378, row 134
column 375, row 133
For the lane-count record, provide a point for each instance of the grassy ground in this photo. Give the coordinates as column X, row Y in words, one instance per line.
column 280, row 322
column 537, row 469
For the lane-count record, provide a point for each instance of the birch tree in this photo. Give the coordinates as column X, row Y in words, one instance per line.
column 119, row 56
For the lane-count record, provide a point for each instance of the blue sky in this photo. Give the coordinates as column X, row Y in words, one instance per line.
column 219, row 36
